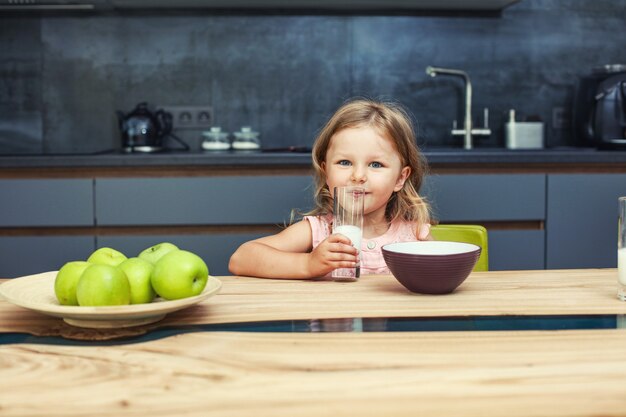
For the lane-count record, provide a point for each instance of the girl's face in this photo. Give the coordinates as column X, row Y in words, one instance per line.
column 360, row 156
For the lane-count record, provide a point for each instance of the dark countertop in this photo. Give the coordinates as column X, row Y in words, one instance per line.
column 262, row 159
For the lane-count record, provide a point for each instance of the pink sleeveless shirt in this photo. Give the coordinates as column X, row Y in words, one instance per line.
column 372, row 261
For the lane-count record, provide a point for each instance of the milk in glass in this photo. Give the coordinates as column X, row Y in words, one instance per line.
column 621, row 266
column 354, row 233
column 348, row 207
column 621, row 250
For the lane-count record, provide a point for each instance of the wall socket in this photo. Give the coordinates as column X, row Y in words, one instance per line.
column 560, row 118
column 190, row 117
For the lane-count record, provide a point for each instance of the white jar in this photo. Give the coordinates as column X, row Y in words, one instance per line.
column 246, row 140
column 215, row 140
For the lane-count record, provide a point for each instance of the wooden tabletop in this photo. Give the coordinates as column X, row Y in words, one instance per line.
column 480, row 373
column 243, row 299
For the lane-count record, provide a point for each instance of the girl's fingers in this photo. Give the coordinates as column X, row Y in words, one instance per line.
column 341, row 253
column 343, row 248
column 345, row 264
column 339, row 238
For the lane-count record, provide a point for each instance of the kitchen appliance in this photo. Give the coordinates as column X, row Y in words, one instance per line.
column 599, row 111
column 523, row 134
column 143, row 130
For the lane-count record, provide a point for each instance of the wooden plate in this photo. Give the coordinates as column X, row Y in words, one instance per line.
column 36, row 292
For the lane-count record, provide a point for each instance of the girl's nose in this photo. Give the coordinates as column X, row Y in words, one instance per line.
column 358, row 175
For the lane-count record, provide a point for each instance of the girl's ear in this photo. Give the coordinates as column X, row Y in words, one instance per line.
column 404, row 174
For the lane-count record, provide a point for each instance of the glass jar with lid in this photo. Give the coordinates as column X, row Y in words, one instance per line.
column 246, row 139
column 215, row 140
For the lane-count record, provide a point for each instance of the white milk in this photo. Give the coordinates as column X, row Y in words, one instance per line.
column 621, row 265
column 354, row 233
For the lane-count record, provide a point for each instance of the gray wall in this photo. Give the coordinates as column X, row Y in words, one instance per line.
column 62, row 77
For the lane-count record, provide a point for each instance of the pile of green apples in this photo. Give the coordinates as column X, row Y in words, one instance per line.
column 109, row 278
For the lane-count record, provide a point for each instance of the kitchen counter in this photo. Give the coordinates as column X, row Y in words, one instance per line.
column 436, row 372
column 436, row 157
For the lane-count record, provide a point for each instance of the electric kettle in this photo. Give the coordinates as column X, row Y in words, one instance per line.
column 599, row 111
column 143, row 130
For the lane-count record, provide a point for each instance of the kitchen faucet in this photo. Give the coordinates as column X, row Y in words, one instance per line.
column 467, row 132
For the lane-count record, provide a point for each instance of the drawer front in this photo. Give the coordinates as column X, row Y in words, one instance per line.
column 582, row 220
column 215, row 249
column 27, row 255
column 487, row 197
column 208, row 201
column 516, row 249
column 46, row 202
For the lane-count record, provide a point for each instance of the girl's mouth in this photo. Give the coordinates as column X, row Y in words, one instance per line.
column 359, row 193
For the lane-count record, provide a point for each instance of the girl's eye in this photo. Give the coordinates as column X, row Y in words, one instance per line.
column 344, row 162
column 376, row 165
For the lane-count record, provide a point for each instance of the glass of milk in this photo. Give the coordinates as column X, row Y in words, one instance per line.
column 348, row 206
column 621, row 250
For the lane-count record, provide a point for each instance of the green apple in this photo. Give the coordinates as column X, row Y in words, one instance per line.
column 154, row 253
column 138, row 272
column 179, row 274
column 103, row 285
column 107, row 256
column 66, row 281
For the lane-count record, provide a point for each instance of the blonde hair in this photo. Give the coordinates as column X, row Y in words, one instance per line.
column 391, row 121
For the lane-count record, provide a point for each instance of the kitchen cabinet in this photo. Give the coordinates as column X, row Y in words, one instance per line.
column 488, row 198
column 581, row 221
column 233, row 200
column 264, row 200
column 215, row 249
column 230, row 201
column 516, row 249
column 46, row 202
column 45, row 222
column 26, row 255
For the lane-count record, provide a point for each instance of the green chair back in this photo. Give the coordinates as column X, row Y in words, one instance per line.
column 467, row 233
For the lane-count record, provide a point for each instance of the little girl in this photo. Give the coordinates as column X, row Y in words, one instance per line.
column 367, row 144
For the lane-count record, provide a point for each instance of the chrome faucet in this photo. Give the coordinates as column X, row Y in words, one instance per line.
column 468, row 131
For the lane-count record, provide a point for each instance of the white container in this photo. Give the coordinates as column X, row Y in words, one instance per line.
column 621, row 249
column 523, row 135
column 246, row 140
column 348, row 206
column 215, row 140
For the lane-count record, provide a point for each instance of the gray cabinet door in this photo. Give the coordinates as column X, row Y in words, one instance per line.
column 46, row 202
column 487, row 197
column 200, row 201
column 215, row 249
column 516, row 249
column 495, row 198
column 581, row 224
column 27, row 255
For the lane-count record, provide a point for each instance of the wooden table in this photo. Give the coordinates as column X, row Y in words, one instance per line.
column 460, row 373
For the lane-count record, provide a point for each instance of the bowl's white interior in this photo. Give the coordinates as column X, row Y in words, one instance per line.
column 431, row 248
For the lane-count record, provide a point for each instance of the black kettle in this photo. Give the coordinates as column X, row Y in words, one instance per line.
column 599, row 112
column 143, row 130
column 610, row 113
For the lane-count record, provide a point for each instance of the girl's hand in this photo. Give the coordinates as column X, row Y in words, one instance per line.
column 334, row 252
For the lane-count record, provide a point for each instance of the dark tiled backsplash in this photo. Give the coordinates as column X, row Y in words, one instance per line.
column 63, row 77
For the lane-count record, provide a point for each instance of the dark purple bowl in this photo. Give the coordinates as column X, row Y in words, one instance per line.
column 433, row 267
